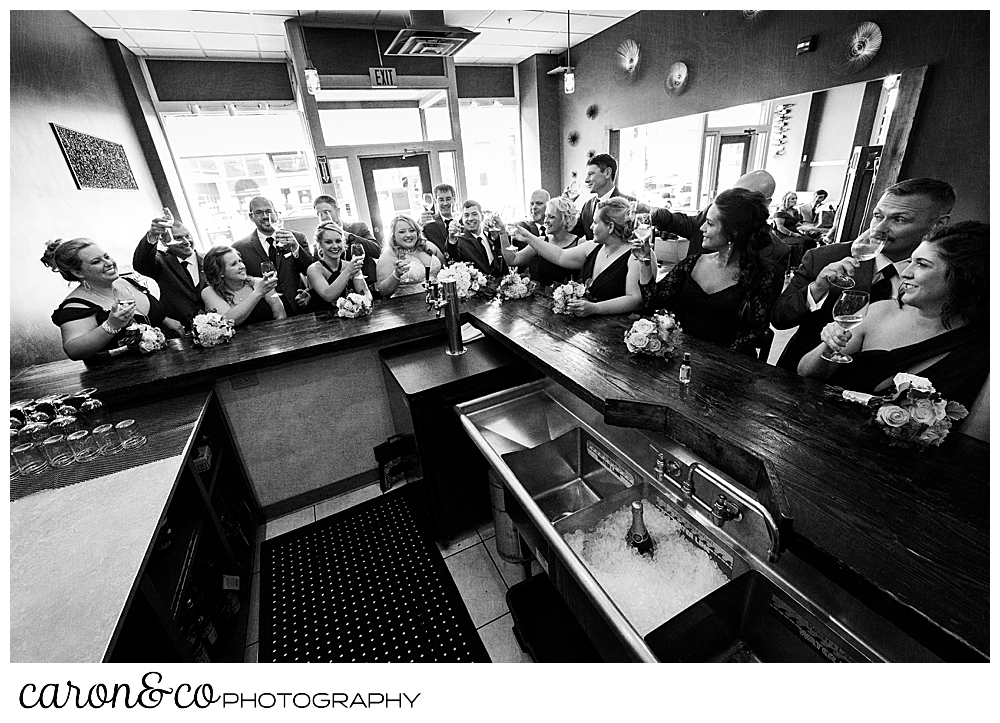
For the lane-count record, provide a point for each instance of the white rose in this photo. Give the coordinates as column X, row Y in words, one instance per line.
column 644, row 326
column 639, row 341
column 654, row 345
column 922, row 412
column 892, row 416
column 914, row 382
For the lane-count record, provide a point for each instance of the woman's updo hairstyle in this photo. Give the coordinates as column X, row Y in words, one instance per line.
column 320, row 230
column 965, row 249
column 617, row 212
column 63, row 257
column 567, row 210
column 743, row 215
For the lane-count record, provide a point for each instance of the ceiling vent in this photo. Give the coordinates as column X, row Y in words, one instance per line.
column 437, row 41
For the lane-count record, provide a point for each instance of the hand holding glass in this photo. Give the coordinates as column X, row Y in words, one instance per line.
column 864, row 248
column 428, row 202
column 266, row 269
column 643, row 233
column 848, row 312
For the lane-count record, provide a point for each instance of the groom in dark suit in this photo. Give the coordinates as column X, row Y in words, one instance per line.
column 434, row 226
column 477, row 246
column 602, row 170
column 287, row 250
column 177, row 270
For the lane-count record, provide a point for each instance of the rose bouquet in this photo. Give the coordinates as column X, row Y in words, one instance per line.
column 469, row 280
column 562, row 295
column 914, row 414
column 211, row 329
column 513, row 286
column 353, row 306
column 658, row 336
column 143, row 338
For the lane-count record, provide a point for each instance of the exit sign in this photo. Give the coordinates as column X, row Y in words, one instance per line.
column 382, row 77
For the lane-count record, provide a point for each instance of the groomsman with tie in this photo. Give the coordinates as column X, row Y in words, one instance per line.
column 907, row 212
column 602, row 170
column 177, row 270
column 476, row 245
column 536, row 214
column 287, row 250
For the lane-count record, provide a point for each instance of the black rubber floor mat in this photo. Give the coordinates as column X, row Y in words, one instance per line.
column 365, row 585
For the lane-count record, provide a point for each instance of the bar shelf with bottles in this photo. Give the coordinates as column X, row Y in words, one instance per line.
column 192, row 601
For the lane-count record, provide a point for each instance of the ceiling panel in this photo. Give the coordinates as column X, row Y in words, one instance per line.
column 510, row 19
column 121, row 36
column 271, row 43
column 466, row 18
column 227, row 41
column 523, row 38
column 165, row 39
column 95, row 18
column 269, row 24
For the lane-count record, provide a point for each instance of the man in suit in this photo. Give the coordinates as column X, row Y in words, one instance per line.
column 907, row 212
column 287, row 250
column 477, row 246
column 536, row 214
column 177, row 270
column 435, row 225
column 327, row 211
column 602, row 170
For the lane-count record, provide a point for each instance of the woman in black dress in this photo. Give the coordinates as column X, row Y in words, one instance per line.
column 725, row 294
column 561, row 215
column 331, row 277
column 230, row 292
column 93, row 315
column 937, row 327
column 605, row 264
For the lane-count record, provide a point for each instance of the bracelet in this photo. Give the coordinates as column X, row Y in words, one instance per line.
column 107, row 327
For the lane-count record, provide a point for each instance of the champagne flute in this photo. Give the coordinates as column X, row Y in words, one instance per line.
column 358, row 254
column 848, row 312
column 124, row 297
column 864, row 248
column 429, row 202
column 279, row 225
column 266, row 267
column 511, row 233
column 166, row 236
column 643, row 232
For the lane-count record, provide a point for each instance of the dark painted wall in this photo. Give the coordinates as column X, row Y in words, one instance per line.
column 732, row 61
column 541, row 150
column 60, row 72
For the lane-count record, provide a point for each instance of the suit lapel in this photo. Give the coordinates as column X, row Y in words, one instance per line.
column 475, row 249
column 180, row 272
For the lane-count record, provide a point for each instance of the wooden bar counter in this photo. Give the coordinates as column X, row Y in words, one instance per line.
column 907, row 532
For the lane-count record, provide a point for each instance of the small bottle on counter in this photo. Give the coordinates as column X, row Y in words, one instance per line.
column 685, row 373
column 638, row 536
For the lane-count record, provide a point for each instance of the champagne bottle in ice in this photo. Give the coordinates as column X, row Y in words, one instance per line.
column 638, row 536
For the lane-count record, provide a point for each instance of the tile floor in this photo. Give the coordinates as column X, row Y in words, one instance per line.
column 481, row 576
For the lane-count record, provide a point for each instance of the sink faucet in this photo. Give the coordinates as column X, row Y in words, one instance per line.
column 723, row 511
column 663, row 467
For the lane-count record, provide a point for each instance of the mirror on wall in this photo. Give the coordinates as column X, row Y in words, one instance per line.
column 805, row 141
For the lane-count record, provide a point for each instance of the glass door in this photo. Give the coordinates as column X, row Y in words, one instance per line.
column 395, row 185
column 734, row 157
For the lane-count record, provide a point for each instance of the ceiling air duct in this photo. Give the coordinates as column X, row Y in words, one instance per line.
column 428, row 36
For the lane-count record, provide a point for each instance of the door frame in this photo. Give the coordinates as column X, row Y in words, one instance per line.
column 370, row 164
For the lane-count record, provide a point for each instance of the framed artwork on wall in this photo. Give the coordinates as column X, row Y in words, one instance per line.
column 95, row 162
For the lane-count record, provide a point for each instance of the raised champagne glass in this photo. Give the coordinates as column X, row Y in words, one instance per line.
column 643, row 233
column 864, row 248
column 848, row 312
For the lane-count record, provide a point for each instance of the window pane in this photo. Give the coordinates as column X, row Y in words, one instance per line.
column 490, row 136
column 343, row 191
column 660, row 162
column 447, row 159
column 438, row 122
column 225, row 161
column 367, row 126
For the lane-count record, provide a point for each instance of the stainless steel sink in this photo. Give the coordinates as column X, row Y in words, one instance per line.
column 749, row 620
column 569, row 473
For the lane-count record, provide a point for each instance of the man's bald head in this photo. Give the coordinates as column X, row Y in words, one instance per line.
column 761, row 182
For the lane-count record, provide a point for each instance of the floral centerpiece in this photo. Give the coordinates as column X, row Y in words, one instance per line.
column 143, row 338
column 469, row 280
column 212, row 329
column 353, row 306
column 658, row 336
column 562, row 295
column 914, row 414
column 513, row 286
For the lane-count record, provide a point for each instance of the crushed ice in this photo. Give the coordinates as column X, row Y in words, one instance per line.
column 648, row 591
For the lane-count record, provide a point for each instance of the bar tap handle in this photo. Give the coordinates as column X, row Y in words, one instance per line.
column 723, row 511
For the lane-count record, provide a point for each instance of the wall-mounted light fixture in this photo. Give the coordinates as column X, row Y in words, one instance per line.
column 569, row 82
column 312, row 75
